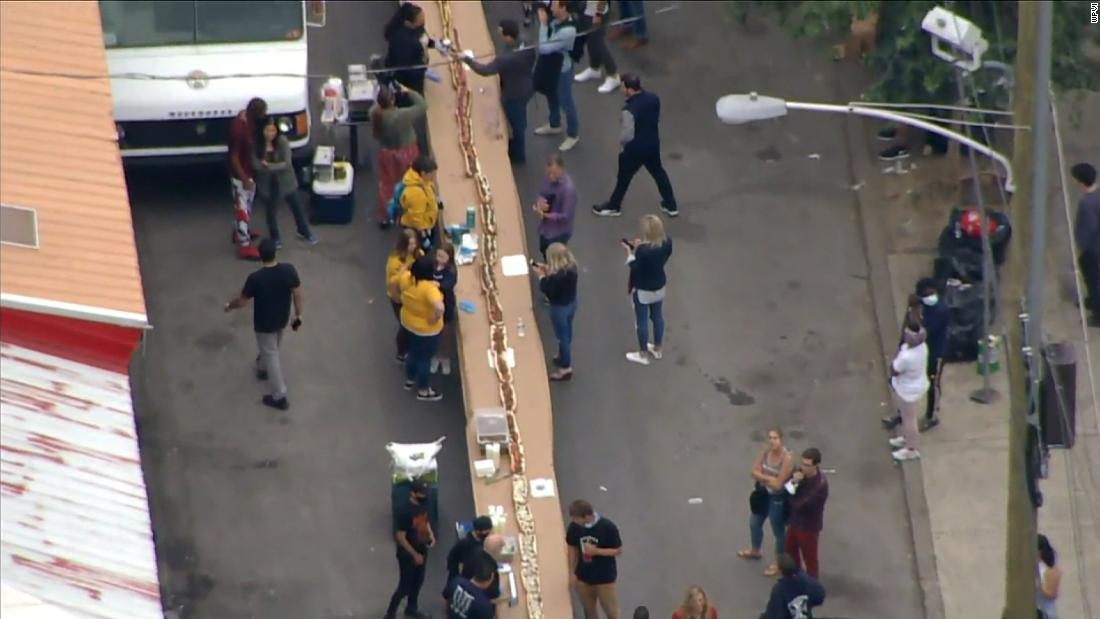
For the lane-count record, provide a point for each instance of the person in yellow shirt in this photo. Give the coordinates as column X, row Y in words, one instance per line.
column 422, row 318
column 419, row 204
column 404, row 253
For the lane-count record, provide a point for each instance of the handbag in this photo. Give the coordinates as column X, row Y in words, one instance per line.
column 758, row 500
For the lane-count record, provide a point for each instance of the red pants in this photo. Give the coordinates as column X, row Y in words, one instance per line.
column 802, row 546
column 392, row 165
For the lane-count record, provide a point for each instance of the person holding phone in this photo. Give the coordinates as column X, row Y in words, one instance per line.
column 646, row 258
column 272, row 288
column 395, row 129
column 553, row 75
column 558, row 282
column 556, row 204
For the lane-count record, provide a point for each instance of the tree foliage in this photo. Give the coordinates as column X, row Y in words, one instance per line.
column 902, row 58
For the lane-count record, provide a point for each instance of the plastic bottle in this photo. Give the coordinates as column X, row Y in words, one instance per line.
column 520, row 329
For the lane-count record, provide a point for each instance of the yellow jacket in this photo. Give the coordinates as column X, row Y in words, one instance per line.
column 393, row 266
column 419, row 208
column 421, row 303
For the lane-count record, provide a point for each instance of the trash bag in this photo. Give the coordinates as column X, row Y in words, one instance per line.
column 415, row 461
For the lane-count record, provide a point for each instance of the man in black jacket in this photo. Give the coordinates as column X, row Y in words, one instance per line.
column 641, row 144
column 515, row 65
column 795, row 594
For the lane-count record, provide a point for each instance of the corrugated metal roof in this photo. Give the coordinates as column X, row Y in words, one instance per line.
column 59, row 155
column 74, row 518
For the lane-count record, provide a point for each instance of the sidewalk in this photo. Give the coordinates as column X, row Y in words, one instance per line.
column 957, row 491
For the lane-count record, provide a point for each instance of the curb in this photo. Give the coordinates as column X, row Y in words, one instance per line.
column 880, row 289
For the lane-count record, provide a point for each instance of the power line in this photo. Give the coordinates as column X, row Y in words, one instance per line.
column 307, row 76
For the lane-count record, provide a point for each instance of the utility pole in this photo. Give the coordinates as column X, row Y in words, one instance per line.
column 1031, row 103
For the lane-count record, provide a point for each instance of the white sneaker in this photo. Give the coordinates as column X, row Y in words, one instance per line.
column 610, row 83
column 897, row 442
column 435, row 365
column 587, row 75
column 446, row 366
column 568, row 143
column 548, row 130
column 657, row 354
column 904, row 454
column 637, row 357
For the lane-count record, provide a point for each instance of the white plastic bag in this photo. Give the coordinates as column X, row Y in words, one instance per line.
column 415, row 460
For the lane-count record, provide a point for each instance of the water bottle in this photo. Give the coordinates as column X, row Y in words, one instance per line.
column 520, row 329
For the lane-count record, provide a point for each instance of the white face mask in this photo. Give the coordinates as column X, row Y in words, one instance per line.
column 930, row 300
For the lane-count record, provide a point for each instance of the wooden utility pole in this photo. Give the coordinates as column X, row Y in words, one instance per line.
column 1028, row 232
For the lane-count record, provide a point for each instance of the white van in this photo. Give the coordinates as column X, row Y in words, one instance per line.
column 213, row 46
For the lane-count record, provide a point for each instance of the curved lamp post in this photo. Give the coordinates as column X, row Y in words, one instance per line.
column 740, row 108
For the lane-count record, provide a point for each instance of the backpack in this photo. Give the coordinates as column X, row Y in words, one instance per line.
column 393, row 209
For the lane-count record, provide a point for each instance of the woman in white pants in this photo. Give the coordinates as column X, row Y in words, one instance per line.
column 909, row 381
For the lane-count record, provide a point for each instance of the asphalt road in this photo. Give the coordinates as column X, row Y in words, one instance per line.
column 769, row 322
column 269, row 515
column 259, row 513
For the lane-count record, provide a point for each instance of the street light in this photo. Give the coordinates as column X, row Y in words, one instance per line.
column 740, row 109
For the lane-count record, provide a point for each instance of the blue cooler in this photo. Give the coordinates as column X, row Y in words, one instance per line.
column 332, row 201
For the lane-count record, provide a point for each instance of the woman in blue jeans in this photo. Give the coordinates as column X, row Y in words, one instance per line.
column 422, row 309
column 771, row 469
column 558, row 282
column 646, row 258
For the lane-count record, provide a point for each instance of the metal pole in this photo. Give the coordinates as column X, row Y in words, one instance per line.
column 987, row 394
column 1041, row 149
column 905, row 119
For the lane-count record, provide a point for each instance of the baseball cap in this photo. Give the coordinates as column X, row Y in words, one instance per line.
column 483, row 523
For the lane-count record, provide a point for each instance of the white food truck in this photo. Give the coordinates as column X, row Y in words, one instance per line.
column 221, row 53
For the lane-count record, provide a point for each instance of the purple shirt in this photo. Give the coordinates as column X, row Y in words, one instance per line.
column 562, row 196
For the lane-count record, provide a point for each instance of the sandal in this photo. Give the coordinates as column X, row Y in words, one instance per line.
column 772, row 570
column 749, row 553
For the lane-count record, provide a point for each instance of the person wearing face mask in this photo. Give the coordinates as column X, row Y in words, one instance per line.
column 909, row 381
column 463, row 552
column 935, row 316
column 593, row 544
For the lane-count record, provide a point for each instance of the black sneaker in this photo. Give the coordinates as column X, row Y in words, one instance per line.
column 280, row 404
column 603, row 210
column 894, row 153
column 927, row 423
column 671, row 212
column 261, row 374
column 431, row 395
column 887, row 134
column 409, row 384
column 891, row 422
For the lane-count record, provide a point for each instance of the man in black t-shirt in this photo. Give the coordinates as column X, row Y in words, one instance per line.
column 466, row 598
column 271, row 288
column 594, row 543
column 468, row 547
column 414, row 536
